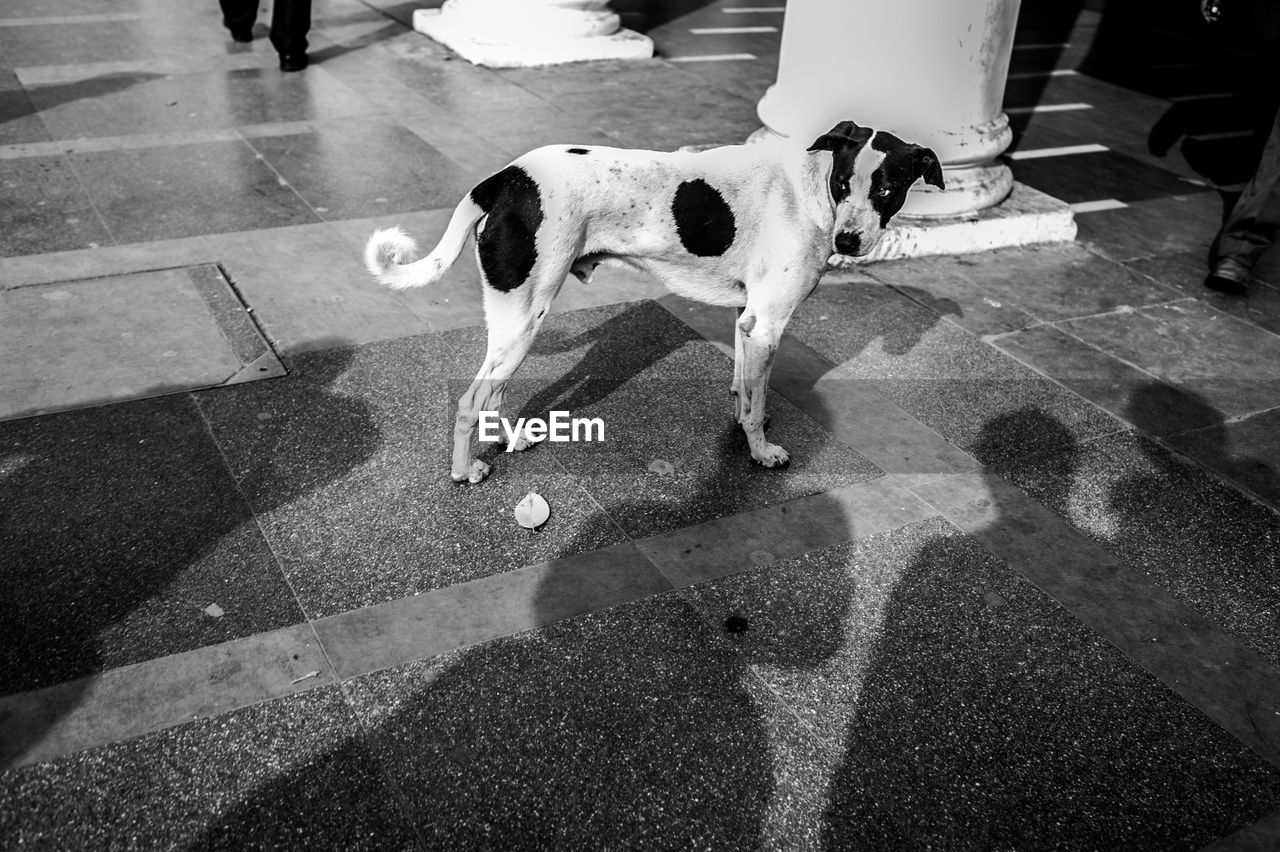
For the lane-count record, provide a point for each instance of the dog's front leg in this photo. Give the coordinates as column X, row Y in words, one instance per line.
column 736, row 388
column 757, row 345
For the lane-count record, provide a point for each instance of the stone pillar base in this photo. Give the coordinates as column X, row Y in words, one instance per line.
column 463, row 40
column 1025, row 217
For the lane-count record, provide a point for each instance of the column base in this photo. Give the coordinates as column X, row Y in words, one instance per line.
column 1025, row 217
column 623, row 44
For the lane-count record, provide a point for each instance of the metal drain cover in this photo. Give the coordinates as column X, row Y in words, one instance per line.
column 74, row 344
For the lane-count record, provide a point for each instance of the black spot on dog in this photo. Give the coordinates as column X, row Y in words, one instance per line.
column 704, row 221
column 903, row 163
column 576, row 151
column 508, row 244
column 844, row 141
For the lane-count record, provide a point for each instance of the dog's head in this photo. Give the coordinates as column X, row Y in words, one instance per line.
column 871, row 171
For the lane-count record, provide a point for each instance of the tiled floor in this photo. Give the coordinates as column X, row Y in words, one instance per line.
column 1017, row 588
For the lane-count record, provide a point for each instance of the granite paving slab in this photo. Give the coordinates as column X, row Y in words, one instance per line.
column 1187, row 270
column 19, row 122
column 1161, row 226
column 123, row 539
column 977, row 398
column 1244, row 451
column 288, row 773
column 964, row 709
column 1112, row 384
column 1196, row 537
column 662, row 395
column 998, row 291
column 1229, row 362
column 346, row 466
column 1105, row 174
column 361, row 167
column 633, row 727
column 223, row 186
column 55, row 213
column 49, row 43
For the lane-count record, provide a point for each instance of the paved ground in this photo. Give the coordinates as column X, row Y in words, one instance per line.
column 1018, row 588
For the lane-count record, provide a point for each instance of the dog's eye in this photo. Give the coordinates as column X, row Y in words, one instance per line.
column 884, row 192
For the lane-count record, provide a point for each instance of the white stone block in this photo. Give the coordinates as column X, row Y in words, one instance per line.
column 479, row 49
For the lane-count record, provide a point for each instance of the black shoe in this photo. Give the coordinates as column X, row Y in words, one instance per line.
column 294, row 62
column 242, row 35
column 1229, row 276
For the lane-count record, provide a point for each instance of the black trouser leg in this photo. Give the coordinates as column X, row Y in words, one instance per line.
column 239, row 15
column 290, row 21
column 1255, row 220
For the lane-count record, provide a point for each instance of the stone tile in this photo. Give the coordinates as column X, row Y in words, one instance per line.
column 52, row 44
column 662, row 394
column 121, row 527
column 362, row 167
column 285, row 773
column 1153, row 228
column 19, row 122
column 1230, row 363
column 222, row 186
column 1109, row 383
column 634, row 726
column 1243, row 451
column 1094, row 176
column 1186, row 271
column 55, row 214
column 346, row 465
column 977, row 398
column 958, row 700
column 619, row 76
column 647, row 120
column 1007, row 289
column 121, row 103
column 1202, row 541
column 519, row 130
column 308, row 288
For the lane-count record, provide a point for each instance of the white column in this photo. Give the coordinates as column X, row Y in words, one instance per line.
column 522, row 33
column 931, row 71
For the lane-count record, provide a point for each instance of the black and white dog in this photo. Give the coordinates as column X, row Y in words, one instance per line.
column 751, row 226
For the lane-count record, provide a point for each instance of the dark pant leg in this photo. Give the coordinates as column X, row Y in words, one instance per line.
column 239, row 14
column 290, row 22
column 1255, row 220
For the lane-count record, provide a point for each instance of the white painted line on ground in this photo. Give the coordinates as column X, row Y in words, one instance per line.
column 713, row 57
column 731, row 30
column 1031, row 75
column 1063, row 151
column 1046, row 108
column 59, row 20
column 1096, row 206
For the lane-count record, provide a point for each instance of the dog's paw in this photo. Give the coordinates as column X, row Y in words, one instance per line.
column 772, row 456
column 476, row 473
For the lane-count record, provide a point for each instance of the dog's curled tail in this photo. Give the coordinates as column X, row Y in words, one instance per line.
column 387, row 254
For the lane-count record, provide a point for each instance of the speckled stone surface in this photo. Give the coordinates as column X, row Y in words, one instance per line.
column 1004, row 290
column 292, row 773
column 1199, row 539
column 1227, row 361
column 662, row 393
column 977, row 398
column 1246, row 452
column 966, row 710
column 120, row 527
column 631, row 728
column 346, row 465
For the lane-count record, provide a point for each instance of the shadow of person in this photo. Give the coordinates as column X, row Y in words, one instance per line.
column 105, row 509
column 19, row 104
column 991, row 718
column 637, row 726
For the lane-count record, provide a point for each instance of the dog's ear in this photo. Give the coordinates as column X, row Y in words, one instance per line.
column 926, row 166
column 844, row 133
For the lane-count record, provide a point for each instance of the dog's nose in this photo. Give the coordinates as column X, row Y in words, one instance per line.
column 847, row 242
